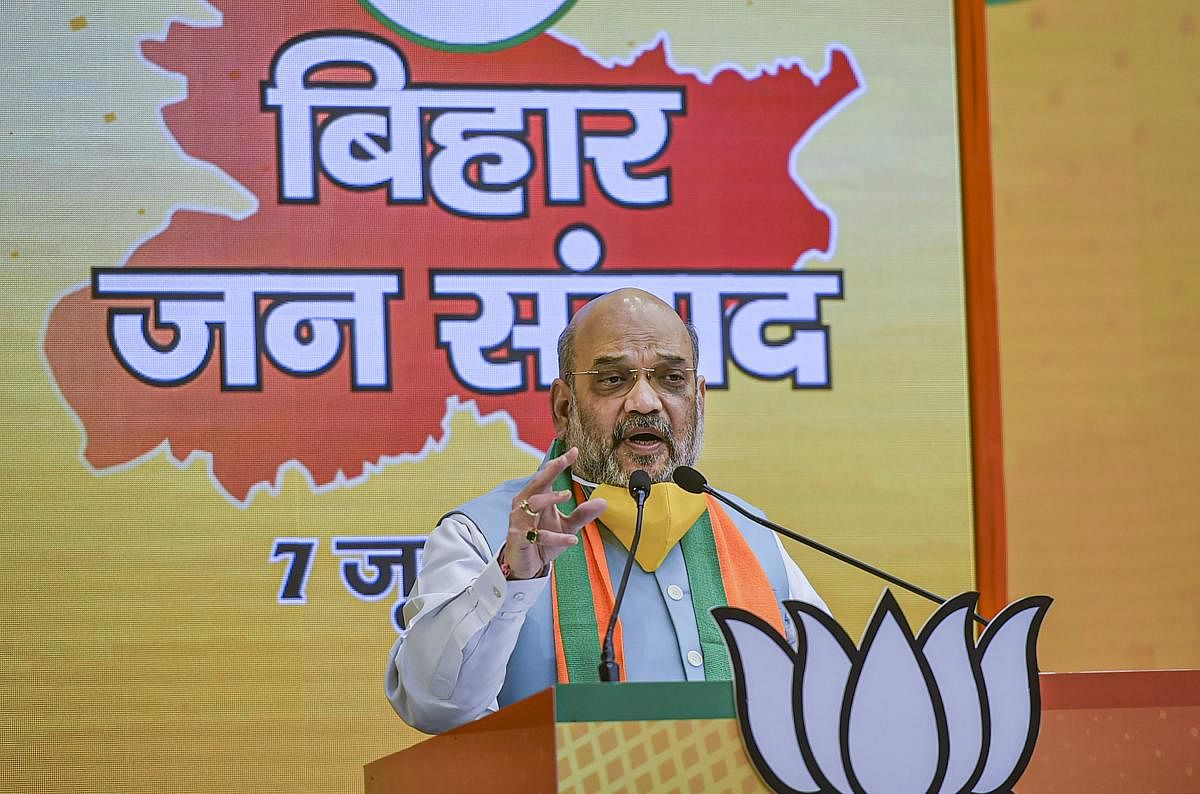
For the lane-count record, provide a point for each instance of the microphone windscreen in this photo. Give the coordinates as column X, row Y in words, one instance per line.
column 689, row 479
column 639, row 483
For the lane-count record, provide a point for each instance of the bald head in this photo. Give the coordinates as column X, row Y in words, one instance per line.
column 641, row 405
column 626, row 308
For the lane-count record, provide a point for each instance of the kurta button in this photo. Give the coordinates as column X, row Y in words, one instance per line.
column 695, row 659
column 676, row 592
column 496, row 592
column 519, row 597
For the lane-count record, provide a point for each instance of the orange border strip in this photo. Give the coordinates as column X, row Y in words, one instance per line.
column 983, row 336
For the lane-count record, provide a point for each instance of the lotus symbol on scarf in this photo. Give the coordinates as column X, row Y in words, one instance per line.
column 934, row 713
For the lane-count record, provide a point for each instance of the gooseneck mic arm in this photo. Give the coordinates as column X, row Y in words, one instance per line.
column 639, row 489
column 693, row 481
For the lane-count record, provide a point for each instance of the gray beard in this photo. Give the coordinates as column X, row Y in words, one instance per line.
column 597, row 459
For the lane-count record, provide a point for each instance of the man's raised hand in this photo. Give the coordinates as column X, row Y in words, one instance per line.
column 537, row 532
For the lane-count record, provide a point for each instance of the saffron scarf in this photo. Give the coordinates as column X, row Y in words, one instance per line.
column 721, row 567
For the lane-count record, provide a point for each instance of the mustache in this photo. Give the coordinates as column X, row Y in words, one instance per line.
column 635, row 422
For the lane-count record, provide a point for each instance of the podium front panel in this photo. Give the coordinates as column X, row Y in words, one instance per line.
column 650, row 737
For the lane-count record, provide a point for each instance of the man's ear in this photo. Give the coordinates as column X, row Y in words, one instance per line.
column 560, row 406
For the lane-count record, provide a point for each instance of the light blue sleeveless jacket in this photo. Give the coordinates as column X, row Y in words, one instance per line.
column 658, row 621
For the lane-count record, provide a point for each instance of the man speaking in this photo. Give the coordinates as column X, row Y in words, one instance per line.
column 516, row 588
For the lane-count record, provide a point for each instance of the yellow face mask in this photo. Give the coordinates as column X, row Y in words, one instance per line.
column 669, row 513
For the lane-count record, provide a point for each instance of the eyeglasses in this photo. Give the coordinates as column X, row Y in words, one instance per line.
column 666, row 380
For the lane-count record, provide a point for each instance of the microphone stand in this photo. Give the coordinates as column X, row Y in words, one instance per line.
column 639, row 489
column 821, row 547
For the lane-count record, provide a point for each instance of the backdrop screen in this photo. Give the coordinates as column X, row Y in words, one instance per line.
column 283, row 283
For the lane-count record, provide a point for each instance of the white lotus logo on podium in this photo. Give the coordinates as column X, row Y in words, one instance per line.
column 933, row 713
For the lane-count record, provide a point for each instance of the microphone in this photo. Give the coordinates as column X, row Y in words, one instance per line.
column 639, row 486
column 693, row 481
column 639, row 489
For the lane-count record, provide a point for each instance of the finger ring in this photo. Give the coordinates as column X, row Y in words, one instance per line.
column 525, row 507
column 532, row 536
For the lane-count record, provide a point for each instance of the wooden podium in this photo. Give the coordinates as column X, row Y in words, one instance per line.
column 1100, row 732
column 584, row 737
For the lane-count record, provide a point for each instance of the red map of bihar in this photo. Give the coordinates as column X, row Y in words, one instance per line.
column 733, row 206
